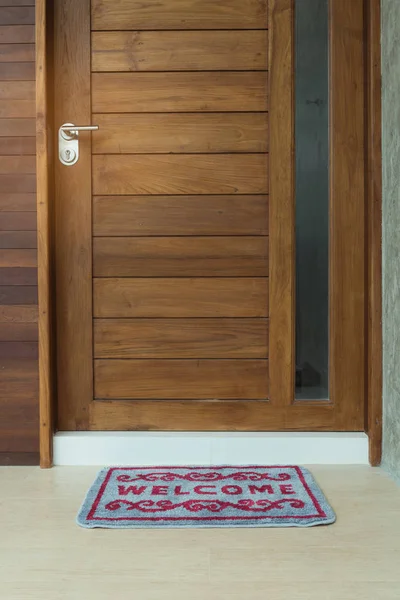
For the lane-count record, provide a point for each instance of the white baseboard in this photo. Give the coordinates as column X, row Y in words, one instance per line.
column 104, row 448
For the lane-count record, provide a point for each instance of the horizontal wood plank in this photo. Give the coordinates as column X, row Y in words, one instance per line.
column 17, row 145
column 10, row 71
column 179, row 50
column 17, row 52
column 18, row 275
column 17, row 90
column 21, row 350
column 18, row 182
column 180, row 174
column 18, row 294
column 180, row 215
column 224, row 379
column 18, row 332
column 175, row 14
column 180, row 133
column 197, row 415
column 17, row 34
column 18, row 239
column 17, row 220
column 18, row 314
column 17, row 164
column 17, row 127
column 18, row 258
column 184, row 297
column 10, row 15
column 179, row 92
column 17, row 2
column 17, row 108
column 180, row 338
column 181, row 256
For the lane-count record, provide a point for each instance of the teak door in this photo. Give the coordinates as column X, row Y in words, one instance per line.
column 175, row 230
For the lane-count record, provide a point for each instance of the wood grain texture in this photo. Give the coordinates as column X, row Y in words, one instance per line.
column 18, row 258
column 17, row 145
column 17, row 2
column 17, row 71
column 17, row 52
column 17, row 108
column 196, row 91
column 17, row 127
column 18, row 404
column 374, row 191
column 45, row 202
column 18, row 314
column 17, row 220
column 180, row 215
column 17, row 164
column 14, row 459
column 180, row 133
column 181, row 256
column 17, row 34
column 73, row 260
column 211, row 415
column 347, row 214
column 180, row 338
column 11, row 15
column 10, row 202
column 18, row 332
column 282, row 203
column 16, row 349
column 18, row 239
column 223, row 379
column 175, row 14
column 179, row 50
column 18, row 294
column 183, row 297
column 180, row 174
column 18, row 275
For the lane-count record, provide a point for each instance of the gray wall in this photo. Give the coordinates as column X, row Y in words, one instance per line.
column 391, row 233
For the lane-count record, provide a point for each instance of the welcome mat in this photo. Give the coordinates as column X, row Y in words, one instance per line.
column 159, row 497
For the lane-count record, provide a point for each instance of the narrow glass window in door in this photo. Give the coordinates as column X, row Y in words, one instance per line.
column 312, row 198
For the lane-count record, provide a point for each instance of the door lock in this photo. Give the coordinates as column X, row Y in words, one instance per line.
column 68, row 142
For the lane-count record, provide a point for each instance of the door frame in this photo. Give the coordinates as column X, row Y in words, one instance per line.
column 46, row 158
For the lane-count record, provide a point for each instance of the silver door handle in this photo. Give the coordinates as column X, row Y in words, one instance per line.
column 68, row 142
column 75, row 129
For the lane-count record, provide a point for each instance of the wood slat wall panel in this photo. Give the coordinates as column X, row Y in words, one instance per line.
column 180, row 133
column 180, row 338
column 10, row 15
column 179, row 50
column 19, row 424
column 17, row 34
column 184, row 297
column 17, row 52
column 17, row 127
column 224, row 379
column 197, row 92
column 17, row 71
column 17, row 220
column 175, row 14
column 182, row 256
column 195, row 415
column 17, row 257
column 18, row 275
column 180, row 215
column 180, row 174
column 17, row 145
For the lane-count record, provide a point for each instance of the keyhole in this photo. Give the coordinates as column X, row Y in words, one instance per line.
column 67, row 154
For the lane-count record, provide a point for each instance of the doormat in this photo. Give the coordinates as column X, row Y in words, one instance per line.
column 161, row 497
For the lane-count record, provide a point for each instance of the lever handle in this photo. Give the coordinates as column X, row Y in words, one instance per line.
column 69, row 130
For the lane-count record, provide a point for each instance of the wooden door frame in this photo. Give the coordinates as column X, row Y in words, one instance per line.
column 46, row 158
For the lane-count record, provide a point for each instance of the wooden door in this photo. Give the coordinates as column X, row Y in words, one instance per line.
column 174, row 232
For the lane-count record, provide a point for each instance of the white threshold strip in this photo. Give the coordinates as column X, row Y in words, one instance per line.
column 132, row 448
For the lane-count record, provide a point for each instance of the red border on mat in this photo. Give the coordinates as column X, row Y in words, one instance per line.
column 91, row 517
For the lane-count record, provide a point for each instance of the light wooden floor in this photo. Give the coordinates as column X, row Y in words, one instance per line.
column 45, row 556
